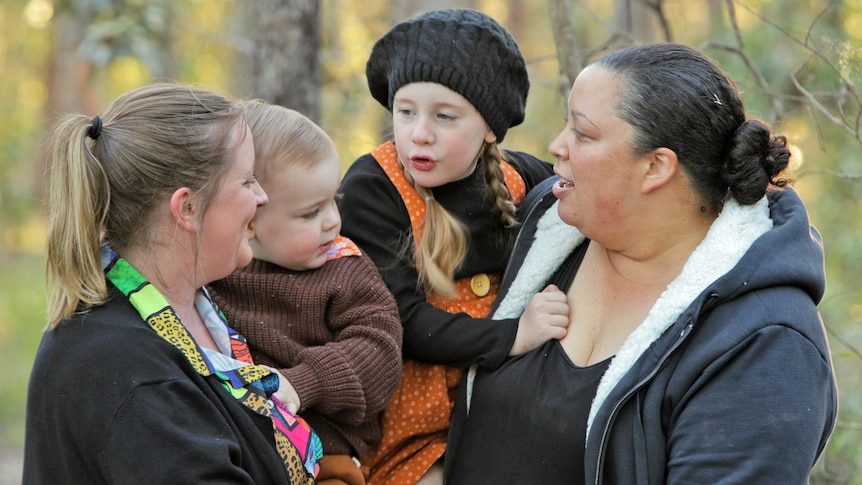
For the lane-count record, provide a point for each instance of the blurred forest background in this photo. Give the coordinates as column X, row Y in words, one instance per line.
column 797, row 62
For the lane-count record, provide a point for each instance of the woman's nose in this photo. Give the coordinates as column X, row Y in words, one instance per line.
column 260, row 194
column 557, row 147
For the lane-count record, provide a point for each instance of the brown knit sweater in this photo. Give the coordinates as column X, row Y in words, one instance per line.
column 334, row 332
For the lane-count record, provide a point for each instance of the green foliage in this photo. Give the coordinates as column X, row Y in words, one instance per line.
column 127, row 28
column 22, row 319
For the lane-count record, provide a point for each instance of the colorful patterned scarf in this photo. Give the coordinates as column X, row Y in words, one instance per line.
column 250, row 384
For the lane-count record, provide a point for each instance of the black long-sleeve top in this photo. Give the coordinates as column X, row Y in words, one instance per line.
column 374, row 217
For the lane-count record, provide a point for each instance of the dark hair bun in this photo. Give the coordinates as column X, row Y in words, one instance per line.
column 755, row 159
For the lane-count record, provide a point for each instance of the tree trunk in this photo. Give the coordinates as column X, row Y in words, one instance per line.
column 285, row 63
column 68, row 79
column 637, row 19
column 562, row 24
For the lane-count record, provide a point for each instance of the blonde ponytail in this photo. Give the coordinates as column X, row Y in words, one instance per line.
column 79, row 186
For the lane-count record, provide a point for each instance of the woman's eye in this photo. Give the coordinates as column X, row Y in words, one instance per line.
column 580, row 134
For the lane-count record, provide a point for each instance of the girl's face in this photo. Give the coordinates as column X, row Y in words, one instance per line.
column 438, row 133
column 225, row 230
column 599, row 186
column 301, row 221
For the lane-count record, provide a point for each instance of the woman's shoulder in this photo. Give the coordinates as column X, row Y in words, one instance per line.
column 109, row 345
column 531, row 168
column 111, row 332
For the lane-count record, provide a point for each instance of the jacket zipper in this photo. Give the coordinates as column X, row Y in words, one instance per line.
column 517, row 242
column 683, row 335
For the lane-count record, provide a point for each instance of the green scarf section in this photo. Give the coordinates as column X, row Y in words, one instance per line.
column 252, row 385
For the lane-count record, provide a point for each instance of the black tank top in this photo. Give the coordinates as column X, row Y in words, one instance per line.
column 528, row 421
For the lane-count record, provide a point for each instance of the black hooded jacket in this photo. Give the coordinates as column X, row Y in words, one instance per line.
column 729, row 378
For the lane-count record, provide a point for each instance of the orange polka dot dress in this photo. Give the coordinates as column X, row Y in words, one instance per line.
column 416, row 421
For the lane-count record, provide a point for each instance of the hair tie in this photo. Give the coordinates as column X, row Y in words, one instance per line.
column 96, row 129
column 429, row 199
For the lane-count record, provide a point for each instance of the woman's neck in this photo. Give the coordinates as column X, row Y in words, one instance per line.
column 659, row 255
column 174, row 282
column 166, row 271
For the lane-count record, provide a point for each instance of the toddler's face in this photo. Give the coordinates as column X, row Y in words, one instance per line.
column 299, row 224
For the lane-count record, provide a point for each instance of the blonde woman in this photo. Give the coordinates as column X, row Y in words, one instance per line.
column 138, row 378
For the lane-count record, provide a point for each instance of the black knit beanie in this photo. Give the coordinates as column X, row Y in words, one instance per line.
column 462, row 49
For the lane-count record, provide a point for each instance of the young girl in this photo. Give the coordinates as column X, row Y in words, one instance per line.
column 436, row 213
column 310, row 303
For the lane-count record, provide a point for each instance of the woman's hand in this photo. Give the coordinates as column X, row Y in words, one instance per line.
column 546, row 317
column 285, row 393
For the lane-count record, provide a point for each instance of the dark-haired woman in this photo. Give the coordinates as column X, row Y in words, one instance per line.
column 694, row 351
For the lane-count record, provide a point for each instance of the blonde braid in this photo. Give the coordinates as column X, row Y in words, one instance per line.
column 497, row 191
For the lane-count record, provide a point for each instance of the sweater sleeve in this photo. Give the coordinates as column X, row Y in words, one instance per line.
column 376, row 219
column 351, row 378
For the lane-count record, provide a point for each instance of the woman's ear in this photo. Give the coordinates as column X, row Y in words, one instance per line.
column 184, row 210
column 661, row 169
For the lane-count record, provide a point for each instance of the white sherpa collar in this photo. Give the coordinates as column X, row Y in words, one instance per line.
column 725, row 243
column 554, row 241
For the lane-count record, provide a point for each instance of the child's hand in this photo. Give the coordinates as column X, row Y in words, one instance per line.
column 285, row 393
column 546, row 317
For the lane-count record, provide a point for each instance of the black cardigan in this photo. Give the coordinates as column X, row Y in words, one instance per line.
column 110, row 401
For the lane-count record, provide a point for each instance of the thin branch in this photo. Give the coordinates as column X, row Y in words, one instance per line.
column 741, row 51
column 843, row 341
column 749, row 63
column 823, row 110
column 809, row 45
column 852, row 177
column 658, row 8
column 628, row 39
